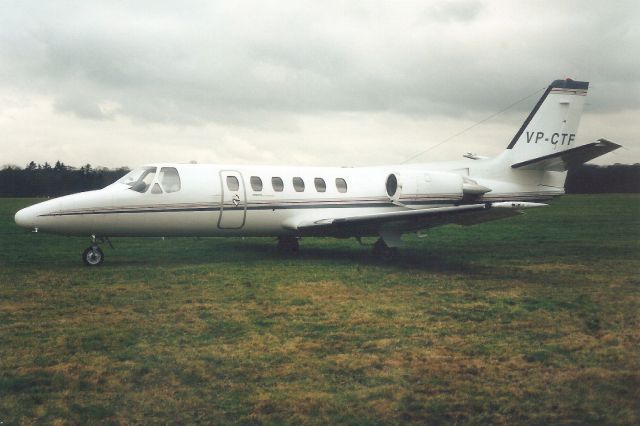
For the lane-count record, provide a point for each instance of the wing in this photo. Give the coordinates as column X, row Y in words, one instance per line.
column 406, row 220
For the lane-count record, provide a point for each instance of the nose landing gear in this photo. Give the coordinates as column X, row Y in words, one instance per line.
column 93, row 255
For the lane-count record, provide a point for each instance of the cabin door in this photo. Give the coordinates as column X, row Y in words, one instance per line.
column 233, row 206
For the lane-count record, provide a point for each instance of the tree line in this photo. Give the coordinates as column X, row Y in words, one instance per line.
column 45, row 180
column 591, row 179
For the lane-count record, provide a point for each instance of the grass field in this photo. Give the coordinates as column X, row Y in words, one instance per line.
column 534, row 319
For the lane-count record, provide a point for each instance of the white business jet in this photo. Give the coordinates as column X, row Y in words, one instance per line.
column 291, row 202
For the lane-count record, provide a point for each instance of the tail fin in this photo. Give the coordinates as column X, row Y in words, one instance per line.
column 551, row 126
column 544, row 148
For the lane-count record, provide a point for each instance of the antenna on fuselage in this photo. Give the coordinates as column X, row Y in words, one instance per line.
column 472, row 126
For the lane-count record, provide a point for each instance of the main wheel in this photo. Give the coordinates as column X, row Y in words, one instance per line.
column 288, row 245
column 93, row 256
column 382, row 251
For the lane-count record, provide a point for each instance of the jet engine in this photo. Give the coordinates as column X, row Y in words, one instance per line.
column 421, row 186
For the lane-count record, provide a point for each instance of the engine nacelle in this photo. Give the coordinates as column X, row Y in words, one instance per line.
column 422, row 186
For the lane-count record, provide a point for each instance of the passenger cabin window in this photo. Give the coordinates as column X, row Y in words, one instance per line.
column 169, row 179
column 140, row 179
column 341, row 185
column 298, row 184
column 321, row 186
column 232, row 183
column 256, row 183
column 277, row 183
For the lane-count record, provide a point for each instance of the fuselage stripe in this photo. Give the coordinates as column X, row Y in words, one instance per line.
column 288, row 205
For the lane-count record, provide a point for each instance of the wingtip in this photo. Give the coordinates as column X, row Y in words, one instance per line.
column 606, row 142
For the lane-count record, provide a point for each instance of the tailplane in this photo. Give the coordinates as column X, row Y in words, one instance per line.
column 564, row 160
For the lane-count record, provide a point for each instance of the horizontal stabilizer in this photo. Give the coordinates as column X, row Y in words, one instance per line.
column 564, row 160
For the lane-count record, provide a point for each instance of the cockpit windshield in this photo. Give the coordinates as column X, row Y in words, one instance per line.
column 139, row 179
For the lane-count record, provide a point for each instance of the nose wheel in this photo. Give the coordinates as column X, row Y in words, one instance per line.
column 93, row 256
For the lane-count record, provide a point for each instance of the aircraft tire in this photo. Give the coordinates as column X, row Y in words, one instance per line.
column 93, row 256
column 383, row 252
column 288, row 246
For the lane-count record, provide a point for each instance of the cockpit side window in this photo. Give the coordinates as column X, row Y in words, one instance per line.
column 139, row 179
column 169, row 179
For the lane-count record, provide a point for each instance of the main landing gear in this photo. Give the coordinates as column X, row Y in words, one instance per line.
column 382, row 251
column 288, row 245
column 93, row 255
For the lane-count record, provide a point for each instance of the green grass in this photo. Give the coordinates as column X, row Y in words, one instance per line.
column 534, row 319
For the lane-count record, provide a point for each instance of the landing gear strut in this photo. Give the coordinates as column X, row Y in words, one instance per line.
column 288, row 245
column 382, row 251
column 93, row 255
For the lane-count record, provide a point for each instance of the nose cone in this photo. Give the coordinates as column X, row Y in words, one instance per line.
column 26, row 218
column 33, row 216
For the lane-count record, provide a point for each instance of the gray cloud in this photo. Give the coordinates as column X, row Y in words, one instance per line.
column 200, row 65
column 460, row 11
column 250, row 64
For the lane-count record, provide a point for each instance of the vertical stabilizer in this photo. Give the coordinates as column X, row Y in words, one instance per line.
column 552, row 124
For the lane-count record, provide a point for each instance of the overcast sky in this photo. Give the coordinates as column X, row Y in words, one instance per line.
column 117, row 83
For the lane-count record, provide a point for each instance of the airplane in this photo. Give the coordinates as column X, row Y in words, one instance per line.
column 169, row 199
